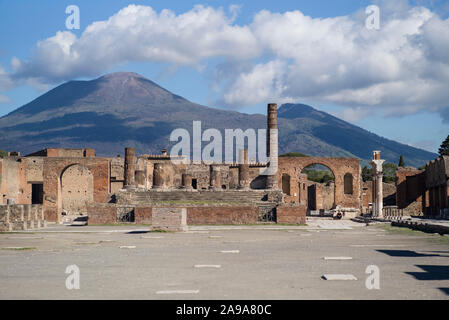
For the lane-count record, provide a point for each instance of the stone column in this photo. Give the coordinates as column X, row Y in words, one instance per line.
column 140, row 178
column 244, row 180
column 187, row 181
column 130, row 167
column 376, row 164
column 158, row 176
column 215, row 177
column 272, row 146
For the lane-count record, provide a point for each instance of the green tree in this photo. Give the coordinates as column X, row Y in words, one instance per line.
column 389, row 170
column 3, row 154
column 367, row 173
column 444, row 148
column 401, row 162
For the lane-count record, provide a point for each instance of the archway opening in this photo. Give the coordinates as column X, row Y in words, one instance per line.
column 77, row 190
column 286, row 184
column 317, row 183
column 348, row 183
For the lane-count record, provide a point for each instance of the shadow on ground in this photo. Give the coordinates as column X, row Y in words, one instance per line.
column 408, row 253
column 445, row 290
column 432, row 273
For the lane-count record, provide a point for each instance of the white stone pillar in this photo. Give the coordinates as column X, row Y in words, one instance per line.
column 376, row 164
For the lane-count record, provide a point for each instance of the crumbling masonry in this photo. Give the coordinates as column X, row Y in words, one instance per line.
column 68, row 183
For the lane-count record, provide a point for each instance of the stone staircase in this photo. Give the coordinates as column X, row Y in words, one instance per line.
column 206, row 197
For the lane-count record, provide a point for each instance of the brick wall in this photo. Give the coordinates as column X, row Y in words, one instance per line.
column 293, row 166
column 52, row 170
column 293, row 214
column 222, row 215
column 101, row 214
column 143, row 215
column 410, row 186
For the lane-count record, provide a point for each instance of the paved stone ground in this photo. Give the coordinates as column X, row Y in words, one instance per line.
column 220, row 262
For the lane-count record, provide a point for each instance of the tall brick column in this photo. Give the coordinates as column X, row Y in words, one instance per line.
column 272, row 146
column 158, row 179
column 378, row 197
column 187, row 181
column 244, row 180
column 130, row 167
column 215, row 177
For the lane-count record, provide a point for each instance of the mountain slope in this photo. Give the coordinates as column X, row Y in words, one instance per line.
column 126, row 109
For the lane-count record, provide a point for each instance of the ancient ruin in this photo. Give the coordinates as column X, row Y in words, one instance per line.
column 62, row 185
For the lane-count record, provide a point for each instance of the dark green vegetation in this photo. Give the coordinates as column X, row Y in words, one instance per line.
column 319, row 173
column 367, row 173
column 126, row 109
column 444, row 148
column 3, row 153
column 389, row 170
column 401, row 162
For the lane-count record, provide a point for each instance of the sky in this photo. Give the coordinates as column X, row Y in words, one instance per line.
column 391, row 78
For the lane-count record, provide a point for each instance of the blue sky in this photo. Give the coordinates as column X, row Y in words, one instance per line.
column 255, row 67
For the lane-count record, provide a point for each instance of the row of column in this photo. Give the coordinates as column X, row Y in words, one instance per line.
column 133, row 177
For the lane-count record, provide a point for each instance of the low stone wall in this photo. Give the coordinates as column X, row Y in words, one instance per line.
column 107, row 214
column 101, row 214
column 222, row 215
column 169, row 219
column 291, row 214
column 21, row 217
column 143, row 215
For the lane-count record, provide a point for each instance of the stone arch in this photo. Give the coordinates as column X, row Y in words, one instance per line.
column 76, row 189
column 348, row 183
column 286, row 183
column 338, row 166
column 319, row 195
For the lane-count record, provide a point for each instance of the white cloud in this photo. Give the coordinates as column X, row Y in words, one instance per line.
column 400, row 69
column 4, row 99
column 138, row 33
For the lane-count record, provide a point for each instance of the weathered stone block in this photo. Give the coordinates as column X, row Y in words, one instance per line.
column 169, row 219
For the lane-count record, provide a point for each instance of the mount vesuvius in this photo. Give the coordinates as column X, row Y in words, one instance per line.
column 125, row 109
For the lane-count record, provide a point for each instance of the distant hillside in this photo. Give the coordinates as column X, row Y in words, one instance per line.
column 126, row 109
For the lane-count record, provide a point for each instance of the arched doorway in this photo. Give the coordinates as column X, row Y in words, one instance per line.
column 348, row 183
column 77, row 190
column 318, row 189
column 286, row 184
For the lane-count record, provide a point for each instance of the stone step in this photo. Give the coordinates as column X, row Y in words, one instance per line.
column 176, row 195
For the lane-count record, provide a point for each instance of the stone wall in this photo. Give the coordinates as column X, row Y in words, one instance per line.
column 169, row 219
column 21, row 217
column 143, row 215
column 201, row 215
column 53, row 170
column 293, row 167
column 291, row 214
column 230, row 215
column 99, row 214
column 410, row 188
